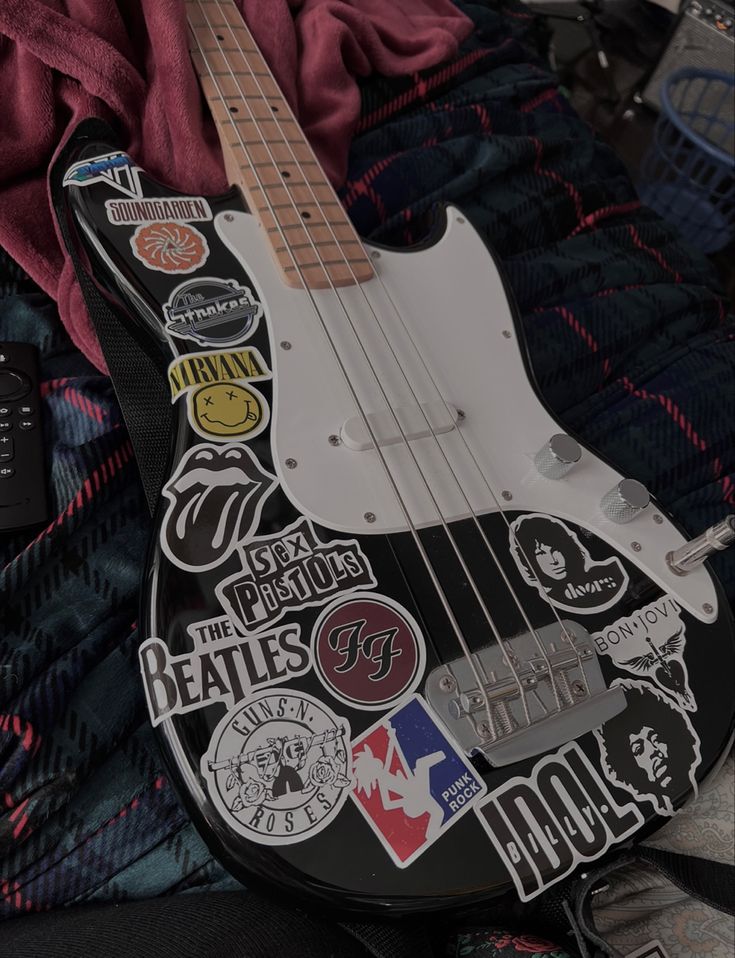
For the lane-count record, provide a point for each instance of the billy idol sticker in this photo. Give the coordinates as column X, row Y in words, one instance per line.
column 169, row 247
column 368, row 650
column 411, row 784
column 544, row 825
column 152, row 209
column 117, row 170
column 551, row 558
column 212, row 311
column 277, row 768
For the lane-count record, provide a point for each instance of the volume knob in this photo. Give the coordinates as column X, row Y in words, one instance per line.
column 625, row 501
column 558, row 456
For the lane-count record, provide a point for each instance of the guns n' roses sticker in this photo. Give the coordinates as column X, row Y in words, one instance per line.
column 169, row 247
column 551, row 558
column 277, row 768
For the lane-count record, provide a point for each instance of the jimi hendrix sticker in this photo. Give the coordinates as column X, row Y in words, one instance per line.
column 650, row 643
column 169, row 247
column 117, row 170
column 151, row 209
column 215, row 499
column 277, row 768
column 368, row 650
column 650, row 748
column 551, row 558
column 212, row 311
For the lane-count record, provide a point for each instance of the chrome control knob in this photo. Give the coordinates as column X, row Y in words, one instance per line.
column 558, row 456
column 625, row 501
column 693, row 553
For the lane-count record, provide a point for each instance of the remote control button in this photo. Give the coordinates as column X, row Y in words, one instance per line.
column 24, row 410
column 13, row 384
column 27, row 424
column 6, row 472
column 5, row 411
column 5, row 426
column 3, row 358
column 7, row 450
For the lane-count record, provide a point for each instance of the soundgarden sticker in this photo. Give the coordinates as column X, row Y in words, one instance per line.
column 189, row 209
column 277, row 767
column 551, row 558
column 212, row 311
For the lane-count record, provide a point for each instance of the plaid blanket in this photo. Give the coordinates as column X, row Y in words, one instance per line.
column 631, row 345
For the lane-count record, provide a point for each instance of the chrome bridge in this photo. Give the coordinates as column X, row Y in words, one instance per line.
column 539, row 690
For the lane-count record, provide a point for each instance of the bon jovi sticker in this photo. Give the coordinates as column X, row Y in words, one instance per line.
column 212, row 311
column 169, row 247
column 551, row 558
column 277, row 768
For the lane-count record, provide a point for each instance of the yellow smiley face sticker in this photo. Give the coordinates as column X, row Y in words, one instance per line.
column 228, row 410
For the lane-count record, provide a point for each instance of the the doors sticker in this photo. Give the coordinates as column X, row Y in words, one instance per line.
column 151, row 209
column 411, row 784
column 215, row 499
column 368, row 650
column 212, row 311
column 170, row 247
column 650, row 643
column 117, row 170
column 650, row 749
column 277, row 768
column 551, row 558
column 544, row 825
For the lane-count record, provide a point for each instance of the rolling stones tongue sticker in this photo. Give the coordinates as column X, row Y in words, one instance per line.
column 169, row 247
column 551, row 558
column 215, row 500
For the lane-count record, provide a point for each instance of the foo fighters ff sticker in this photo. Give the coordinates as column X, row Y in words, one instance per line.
column 277, row 768
column 368, row 650
column 551, row 558
column 650, row 643
column 169, row 247
column 212, row 311
column 291, row 570
column 544, row 825
column 152, row 209
column 650, row 748
column 411, row 784
column 215, row 499
column 117, row 170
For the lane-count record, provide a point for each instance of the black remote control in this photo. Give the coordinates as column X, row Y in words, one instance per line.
column 23, row 500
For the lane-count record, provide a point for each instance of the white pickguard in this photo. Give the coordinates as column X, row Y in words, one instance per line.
column 451, row 299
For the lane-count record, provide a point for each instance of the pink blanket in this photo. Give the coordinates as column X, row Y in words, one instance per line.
column 127, row 61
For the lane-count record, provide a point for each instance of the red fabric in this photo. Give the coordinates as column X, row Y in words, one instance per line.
column 64, row 60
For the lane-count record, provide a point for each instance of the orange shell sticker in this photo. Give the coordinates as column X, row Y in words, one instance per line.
column 169, row 247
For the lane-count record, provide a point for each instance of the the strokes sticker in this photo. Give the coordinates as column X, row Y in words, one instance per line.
column 277, row 768
column 169, row 247
column 215, row 498
column 551, row 558
column 212, row 311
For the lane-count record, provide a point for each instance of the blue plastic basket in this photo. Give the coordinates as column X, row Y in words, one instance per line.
column 688, row 174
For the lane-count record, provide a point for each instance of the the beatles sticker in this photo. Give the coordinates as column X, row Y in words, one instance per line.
column 551, row 558
column 169, row 247
column 212, row 311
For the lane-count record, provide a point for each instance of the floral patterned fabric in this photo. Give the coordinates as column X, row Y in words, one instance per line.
column 502, row 944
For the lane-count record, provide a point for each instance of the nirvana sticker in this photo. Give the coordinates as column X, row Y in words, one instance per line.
column 151, row 209
column 115, row 169
column 564, row 814
column 206, row 369
column 291, row 570
column 224, row 667
column 277, row 769
column 651, row 643
column 368, row 650
column 551, row 558
column 215, row 499
column 169, row 247
column 411, row 784
column 216, row 312
column 650, row 749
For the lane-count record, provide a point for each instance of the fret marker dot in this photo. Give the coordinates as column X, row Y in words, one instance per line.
column 285, row 174
column 306, row 215
column 219, row 36
column 233, row 109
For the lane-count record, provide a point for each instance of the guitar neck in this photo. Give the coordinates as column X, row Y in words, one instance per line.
column 267, row 155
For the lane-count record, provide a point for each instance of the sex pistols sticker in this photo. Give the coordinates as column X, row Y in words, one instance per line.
column 551, row 558
column 215, row 499
column 212, row 311
column 650, row 642
column 277, row 768
column 152, row 209
column 411, row 784
column 543, row 826
column 169, row 247
column 117, row 170
column 650, row 748
column 368, row 650
column 291, row 570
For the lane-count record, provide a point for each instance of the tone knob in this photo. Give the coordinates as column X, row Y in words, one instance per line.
column 558, row 456
column 625, row 501
column 693, row 553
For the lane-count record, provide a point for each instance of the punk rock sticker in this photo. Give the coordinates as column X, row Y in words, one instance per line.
column 116, row 170
column 411, row 784
column 215, row 498
column 551, row 558
column 169, row 247
column 291, row 570
column 212, row 311
column 650, row 749
column 368, row 650
column 152, row 209
column 277, row 768
column 650, row 643
column 544, row 825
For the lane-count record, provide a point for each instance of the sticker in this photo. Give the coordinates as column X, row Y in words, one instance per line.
column 544, row 825
column 216, row 312
column 411, row 784
column 227, row 412
column 291, row 570
column 368, row 650
column 116, row 169
column 224, row 666
column 215, row 499
column 203, row 369
column 170, row 247
column 551, row 558
column 276, row 768
column 151, row 209
column 653, row 949
column 650, row 642
column 650, row 749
